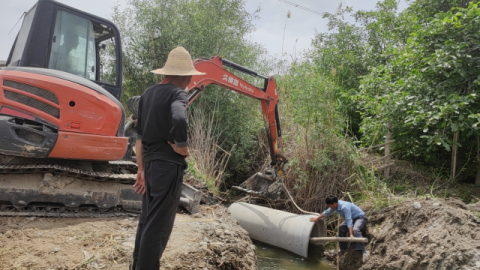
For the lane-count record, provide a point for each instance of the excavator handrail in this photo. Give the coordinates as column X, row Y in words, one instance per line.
column 242, row 69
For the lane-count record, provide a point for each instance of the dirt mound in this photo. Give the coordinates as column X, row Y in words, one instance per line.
column 475, row 208
column 211, row 239
column 223, row 245
column 421, row 234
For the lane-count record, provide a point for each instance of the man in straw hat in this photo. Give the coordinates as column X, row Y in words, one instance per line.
column 162, row 146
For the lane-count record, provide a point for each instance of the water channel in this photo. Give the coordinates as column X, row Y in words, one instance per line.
column 272, row 258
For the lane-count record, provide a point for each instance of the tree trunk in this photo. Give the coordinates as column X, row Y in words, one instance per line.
column 388, row 138
column 477, row 179
column 453, row 169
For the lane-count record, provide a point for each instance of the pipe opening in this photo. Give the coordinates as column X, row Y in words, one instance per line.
column 318, row 230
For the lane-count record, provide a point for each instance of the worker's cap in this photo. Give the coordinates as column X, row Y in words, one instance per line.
column 179, row 63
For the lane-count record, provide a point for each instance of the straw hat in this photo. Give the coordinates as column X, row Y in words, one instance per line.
column 179, row 63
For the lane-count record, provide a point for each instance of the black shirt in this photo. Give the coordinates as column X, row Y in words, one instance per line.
column 162, row 119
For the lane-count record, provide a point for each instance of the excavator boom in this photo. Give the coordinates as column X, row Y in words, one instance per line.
column 215, row 73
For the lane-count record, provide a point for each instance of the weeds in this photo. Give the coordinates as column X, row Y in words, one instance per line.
column 324, row 161
column 207, row 159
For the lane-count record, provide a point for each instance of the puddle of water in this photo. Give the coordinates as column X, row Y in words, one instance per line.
column 272, row 258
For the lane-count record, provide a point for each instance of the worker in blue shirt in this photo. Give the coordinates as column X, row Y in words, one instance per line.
column 355, row 221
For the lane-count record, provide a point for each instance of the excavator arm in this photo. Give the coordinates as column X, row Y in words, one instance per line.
column 215, row 73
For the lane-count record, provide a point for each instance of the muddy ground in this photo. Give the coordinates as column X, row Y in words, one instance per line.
column 210, row 239
column 421, row 234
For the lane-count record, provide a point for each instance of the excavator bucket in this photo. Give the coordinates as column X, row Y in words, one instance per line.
column 190, row 198
column 266, row 184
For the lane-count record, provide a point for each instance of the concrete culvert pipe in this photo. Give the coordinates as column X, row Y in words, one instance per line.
column 278, row 228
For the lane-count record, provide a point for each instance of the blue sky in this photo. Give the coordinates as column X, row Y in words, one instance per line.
column 299, row 31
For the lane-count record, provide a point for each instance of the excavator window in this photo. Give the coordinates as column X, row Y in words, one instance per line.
column 73, row 46
column 79, row 47
column 58, row 37
column 107, row 68
column 22, row 36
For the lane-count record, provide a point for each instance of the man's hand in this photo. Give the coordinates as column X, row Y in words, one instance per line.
column 139, row 185
column 350, row 230
column 316, row 219
column 180, row 150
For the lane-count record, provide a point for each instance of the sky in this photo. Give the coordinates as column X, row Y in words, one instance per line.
column 299, row 30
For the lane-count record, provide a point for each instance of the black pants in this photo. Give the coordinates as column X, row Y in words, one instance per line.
column 358, row 225
column 163, row 184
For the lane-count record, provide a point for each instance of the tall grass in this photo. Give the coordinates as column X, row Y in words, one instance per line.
column 207, row 159
column 323, row 157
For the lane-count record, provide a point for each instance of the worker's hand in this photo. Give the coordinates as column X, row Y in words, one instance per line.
column 139, row 185
column 351, row 236
column 180, row 150
column 315, row 219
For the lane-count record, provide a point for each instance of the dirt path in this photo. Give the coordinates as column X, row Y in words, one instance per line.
column 210, row 239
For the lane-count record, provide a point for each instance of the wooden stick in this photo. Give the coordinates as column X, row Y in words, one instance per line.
column 375, row 146
column 388, row 138
column 385, row 166
column 453, row 167
column 339, row 239
column 338, row 245
column 383, row 157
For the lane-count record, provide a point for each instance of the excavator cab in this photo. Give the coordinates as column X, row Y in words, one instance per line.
column 59, row 37
column 59, row 79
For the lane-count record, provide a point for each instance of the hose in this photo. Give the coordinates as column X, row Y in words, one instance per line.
column 300, row 209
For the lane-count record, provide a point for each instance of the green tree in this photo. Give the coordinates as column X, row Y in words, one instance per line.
column 350, row 49
column 152, row 28
column 425, row 10
column 429, row 90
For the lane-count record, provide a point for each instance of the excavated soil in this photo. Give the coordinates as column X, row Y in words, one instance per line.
column 210, row 239
column 421, row 234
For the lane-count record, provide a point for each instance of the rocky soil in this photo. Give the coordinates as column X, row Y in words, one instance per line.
column 421, row 234
column 210, row 239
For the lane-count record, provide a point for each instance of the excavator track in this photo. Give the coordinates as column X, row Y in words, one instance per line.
column 42, row 188
column 56, row 211
column 74, row 172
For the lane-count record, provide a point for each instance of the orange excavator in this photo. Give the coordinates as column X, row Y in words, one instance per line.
column 66, row 148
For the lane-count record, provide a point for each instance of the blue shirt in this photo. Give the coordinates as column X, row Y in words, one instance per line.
column 347, row 210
